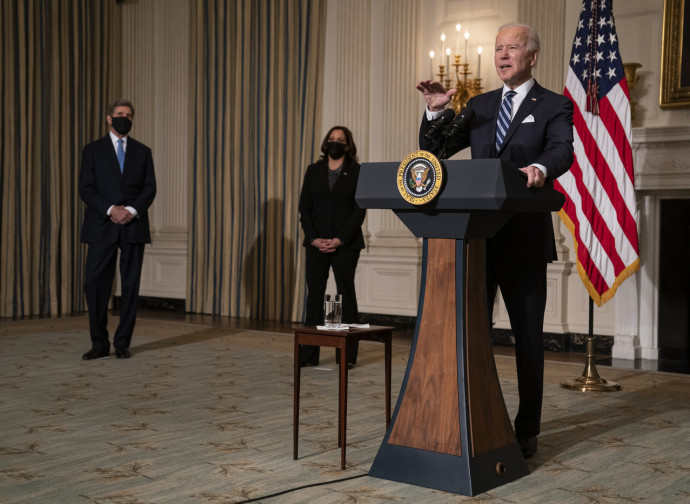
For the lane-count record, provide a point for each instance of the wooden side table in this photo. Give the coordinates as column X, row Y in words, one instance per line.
column 310, row 335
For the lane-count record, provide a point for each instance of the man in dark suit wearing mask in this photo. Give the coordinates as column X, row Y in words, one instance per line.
column 532, row 128
column 118, row 184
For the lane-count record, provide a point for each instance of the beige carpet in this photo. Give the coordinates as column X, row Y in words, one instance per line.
column 204, row 415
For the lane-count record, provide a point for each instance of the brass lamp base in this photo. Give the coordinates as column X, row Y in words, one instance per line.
column 590, row 381
column 588, row 385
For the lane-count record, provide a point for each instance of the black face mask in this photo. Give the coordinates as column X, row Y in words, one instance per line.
column 121, row 124
column 336, row 150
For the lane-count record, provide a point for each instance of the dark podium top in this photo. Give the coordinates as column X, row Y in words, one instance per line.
column 478, row 196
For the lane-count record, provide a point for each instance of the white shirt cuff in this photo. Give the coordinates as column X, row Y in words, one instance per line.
column 542, row 168
column 431, row 115
column 131, row 210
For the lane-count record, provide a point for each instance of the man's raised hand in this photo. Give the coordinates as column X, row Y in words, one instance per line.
column 435, row 94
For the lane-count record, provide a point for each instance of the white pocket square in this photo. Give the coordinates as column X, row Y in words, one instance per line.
column 528, row 119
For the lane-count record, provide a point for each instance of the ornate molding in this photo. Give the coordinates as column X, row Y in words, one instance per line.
column 662, row 158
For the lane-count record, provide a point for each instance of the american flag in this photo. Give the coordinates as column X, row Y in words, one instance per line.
column 600, row 208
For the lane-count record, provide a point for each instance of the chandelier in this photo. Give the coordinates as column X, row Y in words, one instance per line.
column 465, row 86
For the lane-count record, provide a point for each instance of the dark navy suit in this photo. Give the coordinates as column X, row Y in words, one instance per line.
column 101, row 184
column 541, row 132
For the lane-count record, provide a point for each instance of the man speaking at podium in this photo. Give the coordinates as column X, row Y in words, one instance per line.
column 532, row 128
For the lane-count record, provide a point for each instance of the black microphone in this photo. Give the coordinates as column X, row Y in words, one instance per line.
column 460, row 122
column 439, row 123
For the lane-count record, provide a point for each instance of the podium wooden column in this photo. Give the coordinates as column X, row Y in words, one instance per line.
column 450, row 428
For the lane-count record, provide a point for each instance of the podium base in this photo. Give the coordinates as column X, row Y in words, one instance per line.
column 450, row 430
column 449, row 473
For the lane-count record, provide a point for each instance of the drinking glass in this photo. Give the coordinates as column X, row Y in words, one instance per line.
column 333, row 310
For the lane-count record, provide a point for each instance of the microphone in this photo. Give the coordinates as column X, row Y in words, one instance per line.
column 439, row 123
column 460, row 123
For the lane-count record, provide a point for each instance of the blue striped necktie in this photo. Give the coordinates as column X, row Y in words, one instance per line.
column 120, row 155
column 504, row 118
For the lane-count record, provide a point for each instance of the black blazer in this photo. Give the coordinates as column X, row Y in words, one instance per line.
column 326, row 214
column 541, row 132
column 101, row 185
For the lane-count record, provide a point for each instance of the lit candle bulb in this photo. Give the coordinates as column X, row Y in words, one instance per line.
column 479, row 62
column 467, row 35
column 431, row 63
column 443, row 45
column 457, row 38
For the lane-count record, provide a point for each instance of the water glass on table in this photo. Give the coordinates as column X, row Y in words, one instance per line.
column 333, row 310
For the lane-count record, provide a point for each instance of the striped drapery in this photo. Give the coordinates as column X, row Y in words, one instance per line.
column 258, row 75
column 57, row 77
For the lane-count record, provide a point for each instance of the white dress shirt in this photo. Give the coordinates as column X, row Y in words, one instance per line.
column 115, row 139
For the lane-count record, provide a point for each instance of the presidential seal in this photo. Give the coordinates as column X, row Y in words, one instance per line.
column 419, row 177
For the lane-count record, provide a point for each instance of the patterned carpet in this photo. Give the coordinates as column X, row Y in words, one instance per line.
column 203, row 414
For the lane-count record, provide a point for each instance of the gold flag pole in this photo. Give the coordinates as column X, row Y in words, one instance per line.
column 590, row 381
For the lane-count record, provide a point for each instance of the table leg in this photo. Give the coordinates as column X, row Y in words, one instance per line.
column 388, row 379
column 295, row 406
column 342, row 426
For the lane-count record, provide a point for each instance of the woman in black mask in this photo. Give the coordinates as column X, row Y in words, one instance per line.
column 332, row 224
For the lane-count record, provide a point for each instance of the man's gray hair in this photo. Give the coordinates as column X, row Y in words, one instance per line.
column 120, row 102
column 532, row 35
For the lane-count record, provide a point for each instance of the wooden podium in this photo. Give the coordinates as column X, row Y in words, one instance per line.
column 450, row 429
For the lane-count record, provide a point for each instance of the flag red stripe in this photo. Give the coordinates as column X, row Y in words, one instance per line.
column 617, row 133
column 583, row 258
column 596, row 221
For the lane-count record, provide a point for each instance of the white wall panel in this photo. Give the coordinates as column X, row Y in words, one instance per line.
column 155, row 76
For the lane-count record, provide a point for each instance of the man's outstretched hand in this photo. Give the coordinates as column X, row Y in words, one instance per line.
column 435, row 94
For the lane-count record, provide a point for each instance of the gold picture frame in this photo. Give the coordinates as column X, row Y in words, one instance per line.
column 675, row 55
